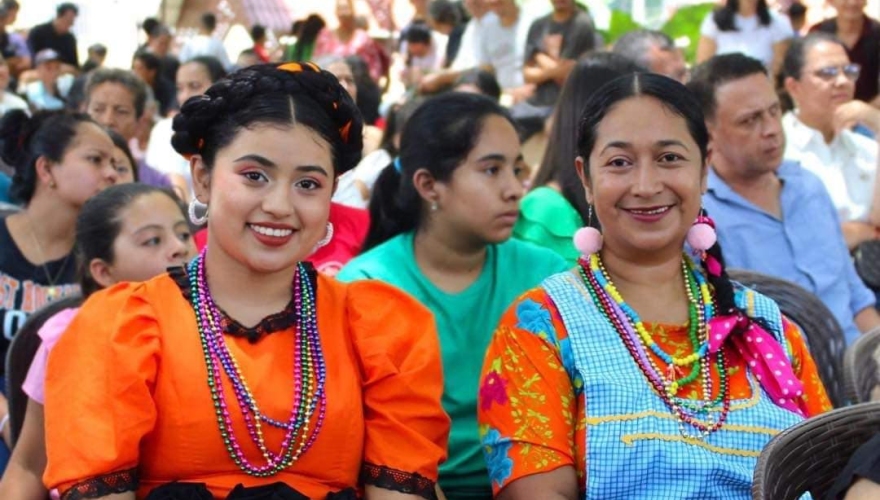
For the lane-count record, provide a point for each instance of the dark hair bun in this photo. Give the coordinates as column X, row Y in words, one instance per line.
column 229, row 97
column 16, row 128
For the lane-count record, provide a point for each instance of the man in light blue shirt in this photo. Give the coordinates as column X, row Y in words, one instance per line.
column 772, row 217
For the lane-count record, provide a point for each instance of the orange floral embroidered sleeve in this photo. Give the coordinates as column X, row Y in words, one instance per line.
column 815, row 397
column 531, row 407
column 528, row 402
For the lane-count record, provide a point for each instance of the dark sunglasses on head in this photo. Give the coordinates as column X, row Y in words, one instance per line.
column 850, row 71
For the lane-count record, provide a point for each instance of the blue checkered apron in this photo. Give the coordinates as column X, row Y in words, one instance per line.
column 634, row 445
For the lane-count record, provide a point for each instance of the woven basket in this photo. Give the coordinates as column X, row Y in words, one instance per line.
column 823, row 334
column 860, row 367
column 809, row 456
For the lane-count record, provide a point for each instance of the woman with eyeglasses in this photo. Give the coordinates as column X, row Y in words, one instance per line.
column 820, row 131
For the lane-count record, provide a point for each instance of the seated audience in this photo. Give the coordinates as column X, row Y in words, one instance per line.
column 148, row 67
column 553, row 45
column 797, row 14
column 342, row 69
column 57, row 35
column 423, row 51
column 60, row 160
column 8, row 99
column 749, row 27
column 13, row 46
column 128, row 232
column 445, row 17
column 347, row 40
column 820, row 79
column 205, row 43
column 117, row 99
column 861, row 36
column 97, row 54
column 479, row 81
column 193, row 78
column 355, row 187
column 258, row 35
column 50, row 89
column 773, row 216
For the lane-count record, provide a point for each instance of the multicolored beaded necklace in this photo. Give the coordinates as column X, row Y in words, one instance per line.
column 309, row 374
column 699, row 415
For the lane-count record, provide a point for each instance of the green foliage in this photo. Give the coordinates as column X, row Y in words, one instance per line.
column 686, row 23
column 621, row 23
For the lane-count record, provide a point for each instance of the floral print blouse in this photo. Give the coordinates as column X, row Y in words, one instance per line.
column 531, row 404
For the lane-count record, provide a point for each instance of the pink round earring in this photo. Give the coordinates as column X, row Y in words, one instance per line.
column 701, row 236
column 588, row 239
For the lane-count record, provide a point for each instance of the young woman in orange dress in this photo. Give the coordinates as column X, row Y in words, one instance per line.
column 247, row 373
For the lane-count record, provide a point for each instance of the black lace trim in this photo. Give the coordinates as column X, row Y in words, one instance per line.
column 277, row 322
column 397, row 480
column 102, row 486
column 274, row 491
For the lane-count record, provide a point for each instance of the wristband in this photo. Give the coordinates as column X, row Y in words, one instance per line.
column 3, row 422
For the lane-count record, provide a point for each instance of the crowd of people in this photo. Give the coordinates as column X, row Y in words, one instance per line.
column 329, row 269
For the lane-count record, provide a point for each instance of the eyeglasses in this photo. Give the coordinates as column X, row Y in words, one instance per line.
column 851, row 71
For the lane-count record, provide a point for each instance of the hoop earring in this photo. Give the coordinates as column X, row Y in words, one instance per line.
column 194, row 206
column 588, row 239
column 325, row 240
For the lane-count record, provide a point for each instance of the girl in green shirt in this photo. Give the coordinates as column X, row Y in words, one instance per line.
column 442, row 215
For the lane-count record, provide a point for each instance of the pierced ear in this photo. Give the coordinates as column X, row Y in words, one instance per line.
column 201, row 179
column 43, row 167
column 102, row 273
column 426, row 185
column 582, row 171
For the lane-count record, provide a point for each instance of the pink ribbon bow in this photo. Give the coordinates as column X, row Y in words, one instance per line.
column 764, row 356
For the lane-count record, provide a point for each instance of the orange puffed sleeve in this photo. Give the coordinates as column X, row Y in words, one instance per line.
column 98, row 393
column 406, row 428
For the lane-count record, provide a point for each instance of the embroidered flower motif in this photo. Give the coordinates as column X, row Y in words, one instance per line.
column 533, row 317
column 494, row 390
column 496, row 448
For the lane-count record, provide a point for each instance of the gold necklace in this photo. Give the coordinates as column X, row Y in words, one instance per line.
column 53, row 291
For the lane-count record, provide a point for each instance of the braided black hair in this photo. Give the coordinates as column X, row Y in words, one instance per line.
column 272, row 94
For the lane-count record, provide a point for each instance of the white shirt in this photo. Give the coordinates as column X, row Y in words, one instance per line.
column 367, row 171
column 847, row 165
column 161, row 154
column 504, row 48
column 751, row 38
column 11, row 101
column 469, row 48
column 204, row 45
column 436, row 55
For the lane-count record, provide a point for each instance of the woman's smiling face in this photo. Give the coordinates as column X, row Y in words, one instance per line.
column 646, row 177
column 268, row 195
